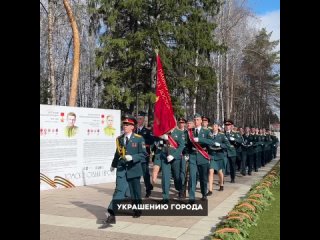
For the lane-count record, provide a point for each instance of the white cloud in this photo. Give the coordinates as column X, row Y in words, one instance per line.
column 271, row 21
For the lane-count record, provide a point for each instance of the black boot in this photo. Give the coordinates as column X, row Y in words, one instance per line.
column 136, row 214
column 204, row 198
column 209, row 193
column 110, row 220
column 148, row 193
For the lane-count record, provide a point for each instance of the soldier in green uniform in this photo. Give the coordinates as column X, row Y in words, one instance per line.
column 198, row 142
column 205, row 122
column 275, row 143
column 71, row 130
column 217, row 152
column 262, row 133
column 109, row 130
column 149, row 141
column 182, row 127
column 168, row 157
column 269, row 143
column 258, row 145
column 235, row 141
column 131, row 150
column 247, row 151
column 254, row 147
column 238, row 149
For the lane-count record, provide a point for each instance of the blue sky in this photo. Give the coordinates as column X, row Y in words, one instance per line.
column 261, row 7
column 268, row 13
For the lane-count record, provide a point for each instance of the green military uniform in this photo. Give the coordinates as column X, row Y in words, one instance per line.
column 268, row 142
column 198, row 162
column 164, row 149
column 248, row 151
column 258, row 150
column 218, row 153
column 238, row 147
column 109, row 131
column 128, row 172
column 184, row 164
column 231, row 151
column 275, row 142
column 149, row 141
column 71, row 131
column 183, row 161
column 263, row 140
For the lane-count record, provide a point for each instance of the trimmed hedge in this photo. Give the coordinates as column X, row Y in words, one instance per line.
column 246, row 212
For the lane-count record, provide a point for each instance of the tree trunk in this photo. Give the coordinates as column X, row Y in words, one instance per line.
column 153, row 83
column 227, row 87
column 222, row 88
column 197, row 77
column 232, row 90
column 53, row 99
column 76, row 55
column 218, row 91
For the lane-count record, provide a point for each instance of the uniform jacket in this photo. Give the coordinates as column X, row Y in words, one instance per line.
column 205, row 140
column 164, row 149
column 219, row 153
column 137, row 149
column 231, row 151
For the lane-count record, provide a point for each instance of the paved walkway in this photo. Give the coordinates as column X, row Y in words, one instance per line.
column 76, row 213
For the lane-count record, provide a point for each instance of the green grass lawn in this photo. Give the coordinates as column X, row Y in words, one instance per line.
column 268, row 227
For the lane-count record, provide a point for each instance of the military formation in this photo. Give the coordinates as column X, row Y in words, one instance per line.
column 194, row 151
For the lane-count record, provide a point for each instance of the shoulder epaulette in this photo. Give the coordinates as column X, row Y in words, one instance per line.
column 137, row 135
column 120, row 136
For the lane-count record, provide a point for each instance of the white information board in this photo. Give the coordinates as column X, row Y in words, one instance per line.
column 77, row 145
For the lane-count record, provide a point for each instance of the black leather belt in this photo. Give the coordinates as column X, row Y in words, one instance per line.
column 194, row 150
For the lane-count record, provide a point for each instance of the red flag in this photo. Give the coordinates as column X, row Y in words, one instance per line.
column 164, row 120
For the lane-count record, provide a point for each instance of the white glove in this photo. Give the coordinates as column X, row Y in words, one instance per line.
column 196, row 139
column 111, row 169
column 128, row 158
column 164, row 136
column 217, row 144
column 251, row 143
column 231, row 138
column 170, row 158
column 186, row 157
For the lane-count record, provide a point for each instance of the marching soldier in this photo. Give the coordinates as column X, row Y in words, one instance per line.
column 238, row 149
column 198, row 142
column 263, row 146
column 255, row 151
column 190, row 123
column 218, row 155
column 258, row 145
column 275, row 143
column 131, row 150
column 269, row 145
column 168, row 156
column 247, row 151
column 149, row 140
column 231, row 151
column 182, row 127
column 205, row 122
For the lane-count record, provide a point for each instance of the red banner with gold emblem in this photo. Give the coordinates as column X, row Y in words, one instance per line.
column 164, row 120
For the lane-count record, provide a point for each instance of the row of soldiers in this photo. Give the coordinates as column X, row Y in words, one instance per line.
column 188, row 154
